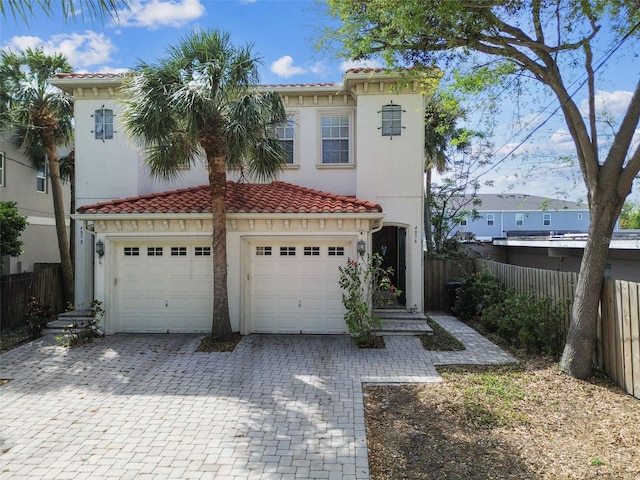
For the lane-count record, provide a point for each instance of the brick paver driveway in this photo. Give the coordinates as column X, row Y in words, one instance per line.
column 149, row 406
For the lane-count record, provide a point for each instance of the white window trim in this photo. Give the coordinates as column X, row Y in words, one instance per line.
column 491, row 217
column 521, row 217
column 44, row 177
column 392, row 107
column 296, row 143
column 103, row 136
column 335, row 112
column 3, row 166
column 546, row 216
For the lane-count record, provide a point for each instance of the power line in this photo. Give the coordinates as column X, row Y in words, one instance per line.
column 599, row 65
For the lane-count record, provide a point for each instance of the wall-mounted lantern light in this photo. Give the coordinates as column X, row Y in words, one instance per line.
column 362, row 247
column 100, row 248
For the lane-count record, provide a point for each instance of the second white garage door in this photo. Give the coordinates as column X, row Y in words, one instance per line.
column 294, row 287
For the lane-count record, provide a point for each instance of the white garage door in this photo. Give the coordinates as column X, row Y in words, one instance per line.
column 164, row 287
column 294, row 287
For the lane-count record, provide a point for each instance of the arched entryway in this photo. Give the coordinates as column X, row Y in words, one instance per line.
column 390, row 242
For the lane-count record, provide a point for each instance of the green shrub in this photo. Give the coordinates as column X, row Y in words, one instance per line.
column 524, row 321
column 37, row 317
column 478, row 292
column 365, row 284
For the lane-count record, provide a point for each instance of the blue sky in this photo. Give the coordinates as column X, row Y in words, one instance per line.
column 283, row 34
column 281, row 31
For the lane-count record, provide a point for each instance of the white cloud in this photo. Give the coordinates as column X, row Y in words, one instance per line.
column 561, row 141
column 613, row 103
column 154, row 14
column 350, row 64
column 283, row 67
column 81, row 49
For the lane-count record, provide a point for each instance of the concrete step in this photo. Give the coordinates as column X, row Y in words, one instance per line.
column 402, row 322
column 404, row 328
column 68, row 319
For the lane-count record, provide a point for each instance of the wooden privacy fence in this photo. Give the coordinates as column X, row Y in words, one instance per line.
column 436, row 275
column 15, row 290
column 619, row 334
column 618, row 340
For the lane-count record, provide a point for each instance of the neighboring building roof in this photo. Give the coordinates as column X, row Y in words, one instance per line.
column 519, row 201
column 276, row 197
column 620, row 240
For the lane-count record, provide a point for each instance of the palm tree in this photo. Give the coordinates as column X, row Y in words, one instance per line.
column 39, row 118
column 200, row 98
column 93, row 9
column 440, row 133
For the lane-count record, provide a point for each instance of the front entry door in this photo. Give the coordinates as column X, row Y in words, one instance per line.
column 390, row 242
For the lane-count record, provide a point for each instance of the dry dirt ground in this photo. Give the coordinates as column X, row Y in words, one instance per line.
column 525, row 421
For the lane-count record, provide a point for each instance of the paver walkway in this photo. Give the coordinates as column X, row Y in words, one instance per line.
column 150, row 407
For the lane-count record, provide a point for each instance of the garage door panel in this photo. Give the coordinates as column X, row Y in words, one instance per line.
column 157, row 292
column 297, row 293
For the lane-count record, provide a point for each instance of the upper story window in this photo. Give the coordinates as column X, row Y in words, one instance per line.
column 41, row 180
column 519, row 219
column 335, row 139
column 546, row 219
column 391, row 120
column 491, row 219
column 284, row 132
column 579, row 216
column 103, row 124
column 2, row 169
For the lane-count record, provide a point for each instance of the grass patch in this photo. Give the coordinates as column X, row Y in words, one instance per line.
column 440, row 340
column 489, row 396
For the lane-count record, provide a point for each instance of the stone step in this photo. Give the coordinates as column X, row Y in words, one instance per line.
column 400, row 315
column 402, row 322
column 68, row 319
column 404, row 328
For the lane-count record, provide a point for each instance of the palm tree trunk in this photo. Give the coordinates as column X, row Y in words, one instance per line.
column 61, row 228
column 221, row 323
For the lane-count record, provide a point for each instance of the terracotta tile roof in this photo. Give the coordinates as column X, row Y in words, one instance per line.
column 276, row 197
column 89, row 75
column 367, row 70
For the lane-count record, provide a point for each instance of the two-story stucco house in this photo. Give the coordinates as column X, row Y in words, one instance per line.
column 30, row 188
column 507, row 214
column 354, row 174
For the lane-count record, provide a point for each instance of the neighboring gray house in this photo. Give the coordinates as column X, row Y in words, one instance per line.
column 503, row 215
column 31, row 189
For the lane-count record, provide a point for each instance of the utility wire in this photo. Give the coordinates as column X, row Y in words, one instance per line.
column 599, row 65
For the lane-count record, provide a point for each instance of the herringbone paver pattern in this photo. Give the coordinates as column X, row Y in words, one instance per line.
column 150, row 407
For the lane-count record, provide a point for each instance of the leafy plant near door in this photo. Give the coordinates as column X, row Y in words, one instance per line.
column 365, row 284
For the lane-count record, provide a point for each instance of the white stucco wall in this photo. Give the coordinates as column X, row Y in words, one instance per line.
column 40, row 241
column 385, row 170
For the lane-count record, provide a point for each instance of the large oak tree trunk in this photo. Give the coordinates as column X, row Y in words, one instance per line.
column 577, row 358
column 221, row 324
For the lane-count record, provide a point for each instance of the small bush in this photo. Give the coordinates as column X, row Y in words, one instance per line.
column 527, row 322
column 37, row 317
column 478, row 291
column 365, row 284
